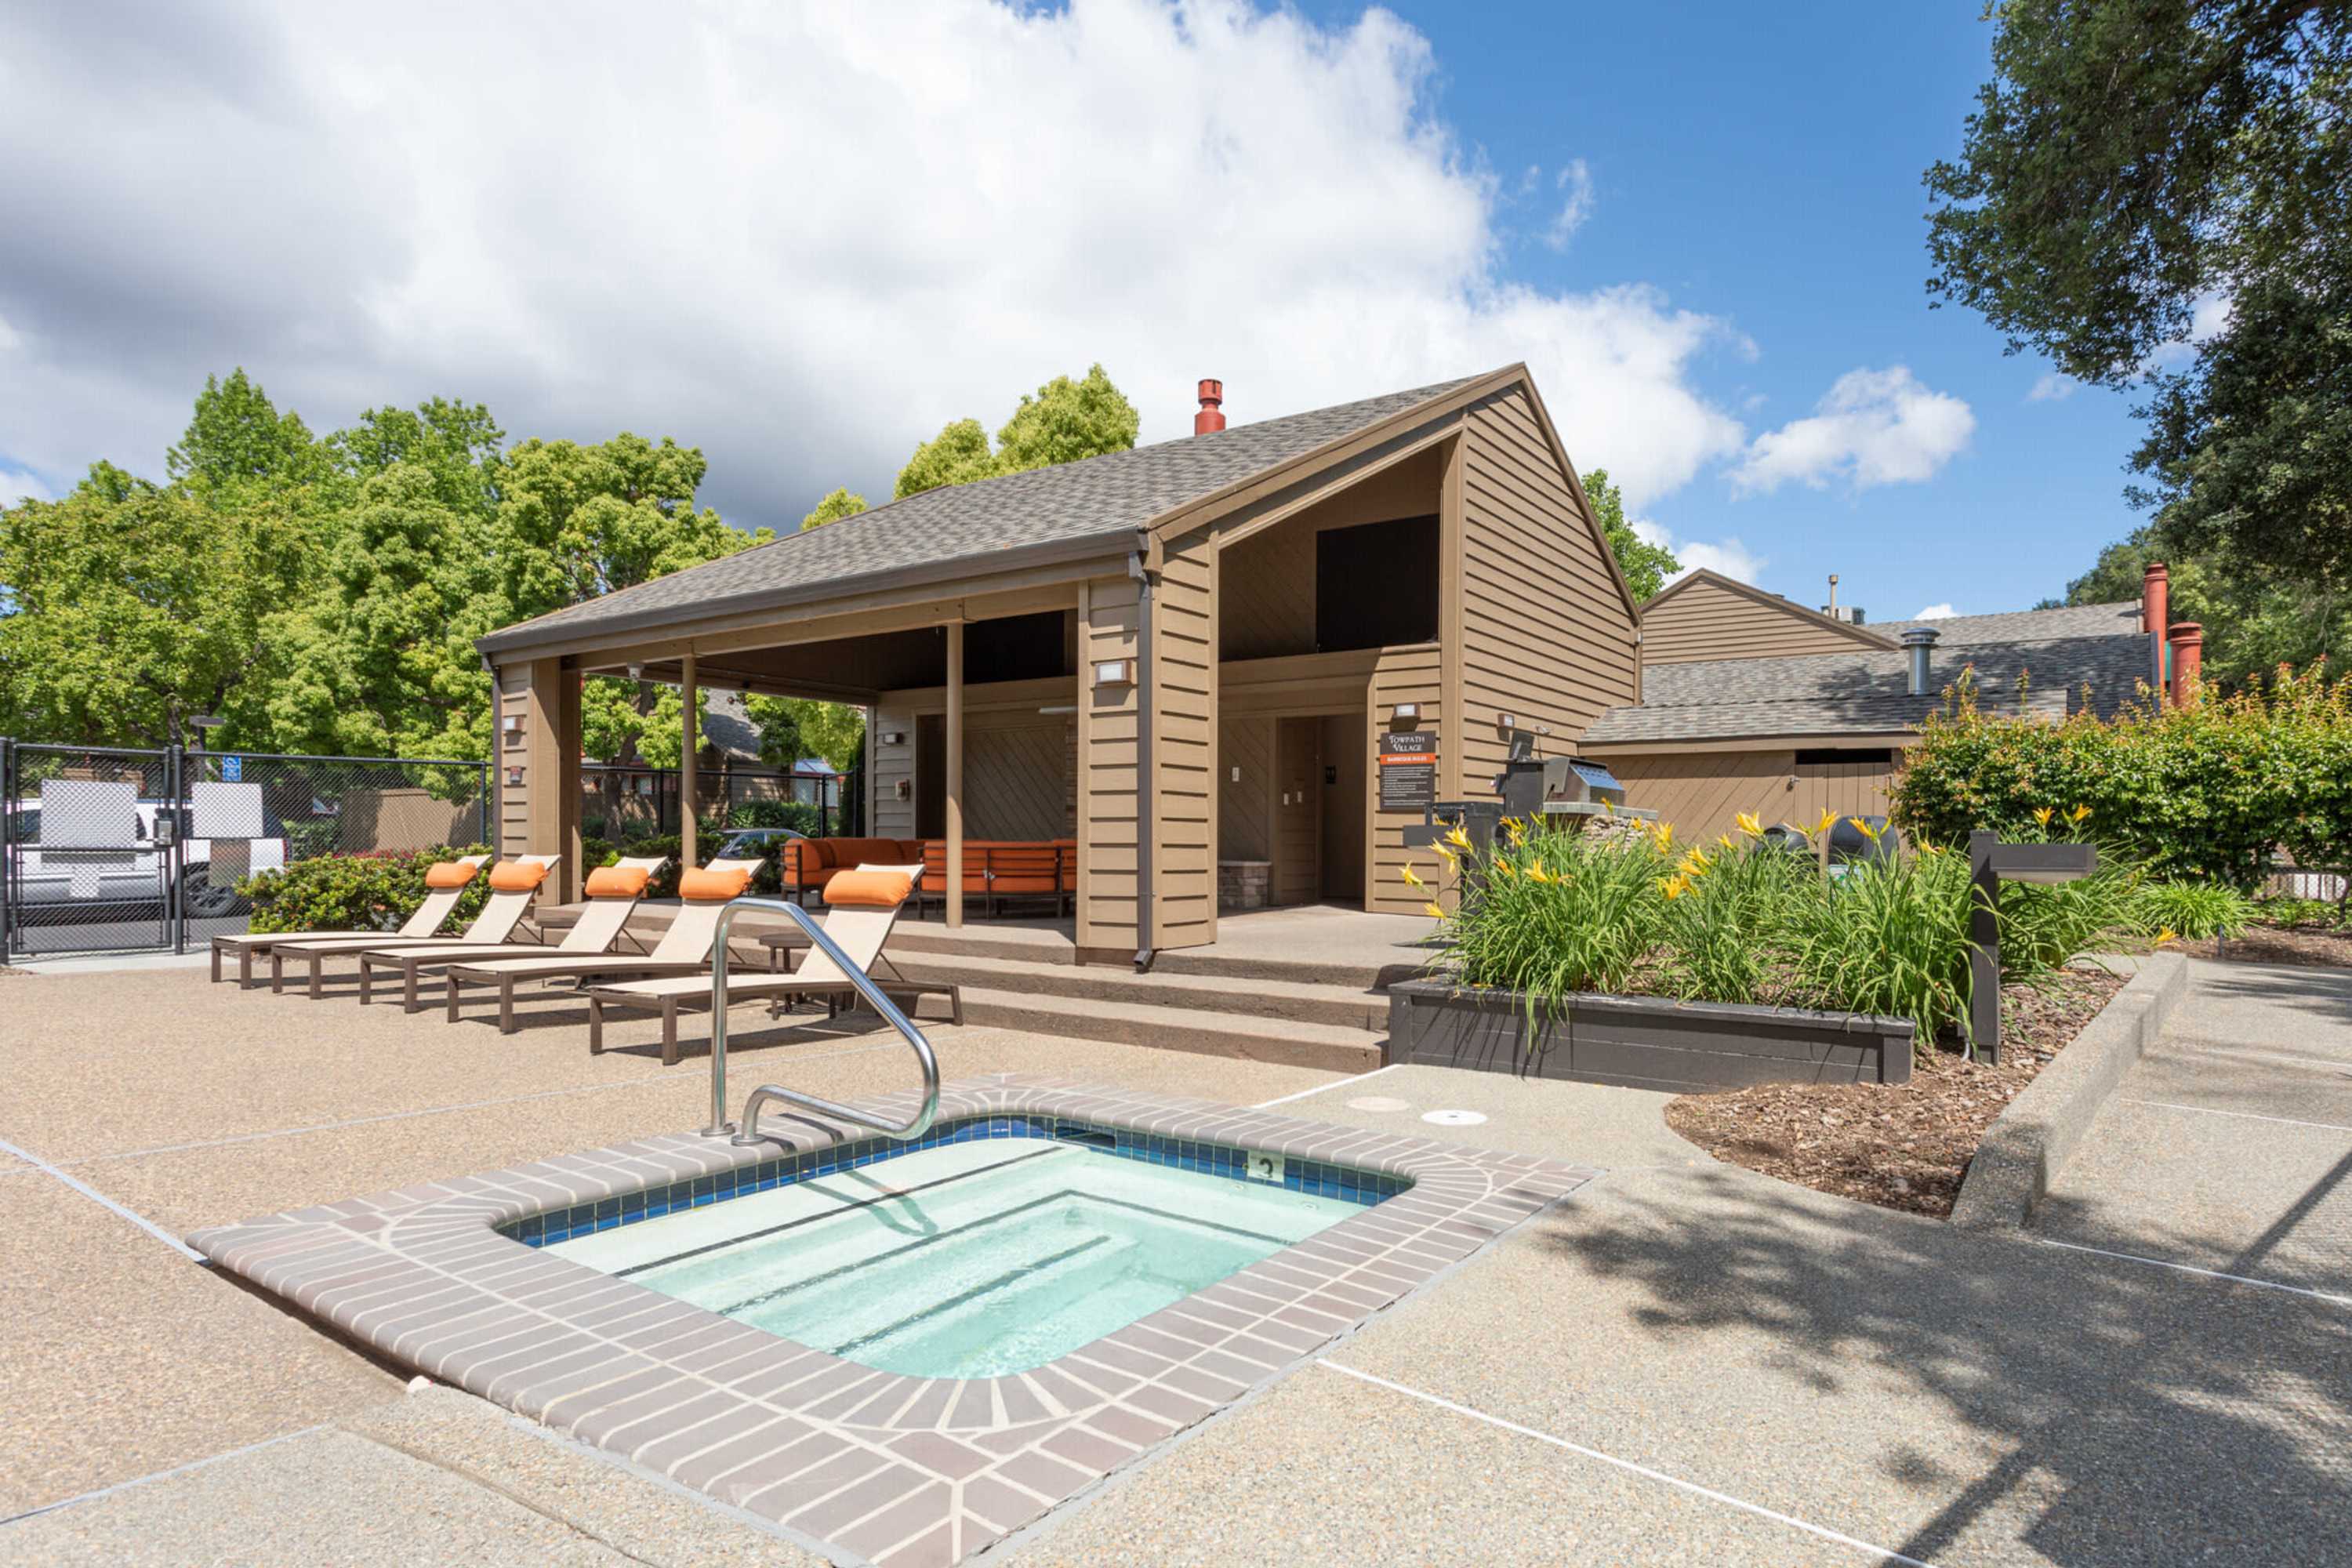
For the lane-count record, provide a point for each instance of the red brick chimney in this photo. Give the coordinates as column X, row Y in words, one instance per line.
column 1212, row 416
column 2188, row 660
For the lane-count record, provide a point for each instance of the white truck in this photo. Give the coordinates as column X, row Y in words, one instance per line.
column 79, row 883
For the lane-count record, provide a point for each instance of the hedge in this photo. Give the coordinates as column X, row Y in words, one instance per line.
column 371, row 891
column 2209, row 790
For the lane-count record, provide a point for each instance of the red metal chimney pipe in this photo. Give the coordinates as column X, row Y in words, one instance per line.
column 2154, row 602
column 1212, row 416
column 2188, row 660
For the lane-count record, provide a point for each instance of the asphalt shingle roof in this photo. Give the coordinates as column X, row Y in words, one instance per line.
column 1102, row 496
column 1868, row 692
column 2029, row 626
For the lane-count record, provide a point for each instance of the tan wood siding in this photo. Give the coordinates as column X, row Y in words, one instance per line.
column 1703, row 792
column 1402, row 675
column 1708, row 620
column 1183, row 744
column 1012, row 781
column 1108, row 618
column 894, row 763
column 539, row 813
column 1265, row 586
column 514, row 751
column 1546, row 637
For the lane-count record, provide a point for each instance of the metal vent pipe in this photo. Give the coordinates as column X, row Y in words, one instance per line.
column 1917, row 642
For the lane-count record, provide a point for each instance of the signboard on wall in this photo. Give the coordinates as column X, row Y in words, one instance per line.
column 1408, row 770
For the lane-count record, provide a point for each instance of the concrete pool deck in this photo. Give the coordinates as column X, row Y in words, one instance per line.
column 1683, row 1361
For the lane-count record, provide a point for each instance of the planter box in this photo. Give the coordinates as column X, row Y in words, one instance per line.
column 1643, row 1042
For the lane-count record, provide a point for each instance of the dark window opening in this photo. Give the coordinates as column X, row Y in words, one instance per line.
column 1828, row 757
column 1015, row 648
column 1376, row 585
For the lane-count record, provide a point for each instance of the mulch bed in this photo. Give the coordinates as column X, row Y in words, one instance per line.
column 2265, row 944
column 1900, row 1146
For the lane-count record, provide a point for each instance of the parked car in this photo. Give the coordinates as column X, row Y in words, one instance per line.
column 44, row 882
column 754, row 843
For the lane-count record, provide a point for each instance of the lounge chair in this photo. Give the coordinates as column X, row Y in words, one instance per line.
column 862, row 906
column 601, row 924
column 683, row 949
column 513, row 885
column 444, row 881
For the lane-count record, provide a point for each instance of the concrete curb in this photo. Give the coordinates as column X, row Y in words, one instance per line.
column 2030, row 1142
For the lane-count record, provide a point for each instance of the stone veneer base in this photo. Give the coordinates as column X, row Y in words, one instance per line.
column 898, row 1470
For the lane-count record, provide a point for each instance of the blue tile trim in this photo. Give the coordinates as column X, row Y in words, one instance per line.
column 1310, row 1176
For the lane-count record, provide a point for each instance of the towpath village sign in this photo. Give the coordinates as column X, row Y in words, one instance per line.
column 1408, row 770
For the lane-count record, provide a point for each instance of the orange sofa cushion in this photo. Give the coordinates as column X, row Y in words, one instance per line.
column 618, row 882
column 702, row 885
column 445, row 874
column 517, row 877
column 870, row 889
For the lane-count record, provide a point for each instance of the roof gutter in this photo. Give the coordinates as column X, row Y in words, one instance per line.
column 1145, row 912
column 1048, row 552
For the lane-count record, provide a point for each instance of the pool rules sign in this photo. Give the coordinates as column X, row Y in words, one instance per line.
column 1408, row 770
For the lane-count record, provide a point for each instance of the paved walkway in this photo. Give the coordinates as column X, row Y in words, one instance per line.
column 1687, row 1362
column 2229, row 1146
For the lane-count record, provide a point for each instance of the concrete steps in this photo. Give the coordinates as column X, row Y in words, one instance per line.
column 1290, row 1001
column 1328, row 1045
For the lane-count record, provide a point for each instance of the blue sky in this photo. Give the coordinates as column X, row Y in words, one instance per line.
column 1763, row 164
column 834, row 228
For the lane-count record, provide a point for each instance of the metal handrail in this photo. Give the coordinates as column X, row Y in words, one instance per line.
column 862, row 982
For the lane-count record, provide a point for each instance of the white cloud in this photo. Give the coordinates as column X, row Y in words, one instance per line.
column 1728, row 556
column 17, row 485
column 1935, row 613
column 2054, row 386
column 1575, row 181
column 1874, row 427
column 821, row 232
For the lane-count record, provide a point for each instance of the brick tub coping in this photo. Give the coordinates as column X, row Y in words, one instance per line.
column 897, row 1469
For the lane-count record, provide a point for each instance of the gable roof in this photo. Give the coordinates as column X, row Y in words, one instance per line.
column 1862, row 636
column 2032, row 625
column 1868, row 692
column 1092, row 506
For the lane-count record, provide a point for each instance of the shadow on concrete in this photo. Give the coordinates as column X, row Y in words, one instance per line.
column 2129, row 1415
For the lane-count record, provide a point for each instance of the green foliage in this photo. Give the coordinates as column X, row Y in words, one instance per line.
column 236, row 441
column 1890, row 936
column 1558, row 913
column 355, row 892
column 799, row 816
column 2200, row 910
column 2255, row 618
column 2205, row 791
column 1646, row 566
column 836, row 505
column 1063, row 422
column 792, row 728
column 2132, row 164
column 1726, row 925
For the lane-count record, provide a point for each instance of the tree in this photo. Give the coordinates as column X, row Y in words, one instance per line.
column 2150, row 181
column 1646, row 565
column 237, row 440
column 2254, row 619
column 135, row 607
column 1064, row 422
column 840, row 503
column 792, row 728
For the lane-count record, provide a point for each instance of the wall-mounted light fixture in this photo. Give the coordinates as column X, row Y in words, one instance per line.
column 637, row 669
column 514, row 778
column 894, row 737
column 512, row 722
column 904, row 789
column 1506, row 722
column 1114, row 672
column 1405, row 713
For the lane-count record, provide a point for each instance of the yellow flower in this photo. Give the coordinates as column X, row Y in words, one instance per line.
column 2043, row 814
column 1748, row 825
column 1828, row 821
column 1725, row 839
column 1675, row 886
column 1447, row 856
column 2167, row 934
column 1411, row 880
column 1536, row 873
column 2080, row 814
column 1455, row 837
column 1666, row 836
column 1866, row 830
column 1434, row 911
column 1502, row 868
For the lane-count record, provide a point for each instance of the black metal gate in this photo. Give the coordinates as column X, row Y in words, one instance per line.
column 113, row 849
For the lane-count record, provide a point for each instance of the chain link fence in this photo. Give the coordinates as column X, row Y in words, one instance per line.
column 119, row 850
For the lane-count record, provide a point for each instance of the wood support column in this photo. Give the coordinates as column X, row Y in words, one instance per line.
column 571, row 875
column 690, row 741
column 954, row 816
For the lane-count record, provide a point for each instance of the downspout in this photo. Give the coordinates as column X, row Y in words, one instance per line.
column 1144, row 913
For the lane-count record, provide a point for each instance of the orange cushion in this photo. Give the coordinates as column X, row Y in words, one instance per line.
column 618, row 881
column 870, row 889
column 516, row 876
column 450, row 874
column 704, row 886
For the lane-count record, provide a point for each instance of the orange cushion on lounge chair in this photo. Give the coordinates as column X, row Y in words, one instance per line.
column 450, row 874
column 703, row 886
column 618, row 881
column 870, row 889
column 516, row 876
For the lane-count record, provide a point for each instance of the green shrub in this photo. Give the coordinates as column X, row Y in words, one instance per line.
column 798, row 815
column 1553, row 913
column 2198, row 910
column 2294, row 911
column 1726, row 928
column 2208, row 791
column 354, row 892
